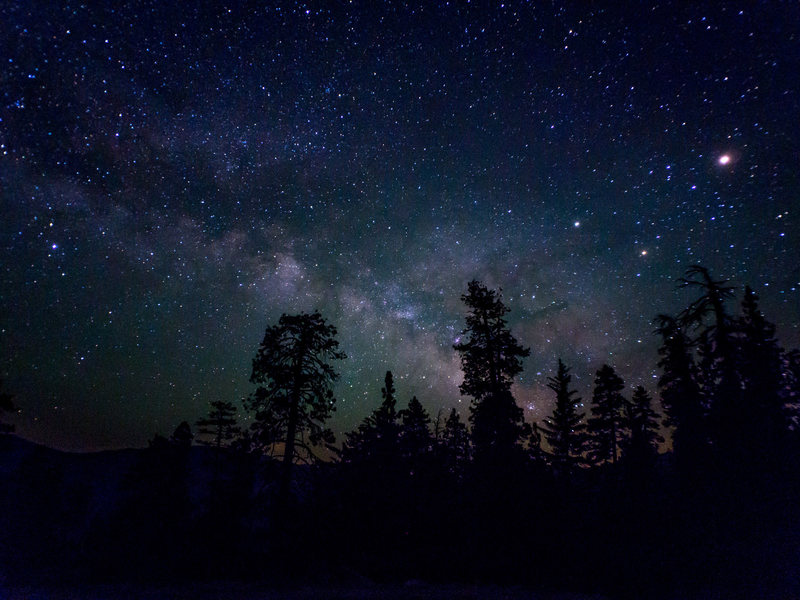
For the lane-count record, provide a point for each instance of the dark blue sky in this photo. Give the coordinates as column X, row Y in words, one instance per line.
column 173, row 179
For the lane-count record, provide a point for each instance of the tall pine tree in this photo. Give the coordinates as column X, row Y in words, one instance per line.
column 415, row 434
column 642, row 423
column 762, row 370
column 564, row 429
column 719, row 373
column 219, row 428
column 490, row 358
column 377, row 438
column 605, row 426
column 294, row 397
column 454, row 444
column 680, row 391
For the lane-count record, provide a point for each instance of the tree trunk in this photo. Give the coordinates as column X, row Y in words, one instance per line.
column 288, row 454
column 492, row 362
column 613, row 439
column 291, row 431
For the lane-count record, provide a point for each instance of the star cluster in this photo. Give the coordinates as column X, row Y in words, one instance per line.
column 173, row 179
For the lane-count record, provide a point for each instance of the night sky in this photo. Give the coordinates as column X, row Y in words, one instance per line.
column 173, row 179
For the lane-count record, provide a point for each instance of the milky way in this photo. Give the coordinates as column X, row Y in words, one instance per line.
column 173, row 179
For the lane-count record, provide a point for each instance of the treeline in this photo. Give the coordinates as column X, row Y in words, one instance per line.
column 588, row 499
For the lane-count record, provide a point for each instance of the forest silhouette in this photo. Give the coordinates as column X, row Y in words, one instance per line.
column 633, row 492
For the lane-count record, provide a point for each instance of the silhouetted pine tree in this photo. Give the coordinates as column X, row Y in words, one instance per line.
column 680, row 391
column 438, row 425
column 415, row 436
column 707, row 374
column 490, row 358
column 6, row 406
column 386, row 415
column 605, row 426
column 294, row 398
column 642, row 422
column 220, row 527
column 454, row 444
column 220, row 425
column 721, row 381
column 377, row 438
column 761, row 370
column 536, row 453
column 565, row 429
column 419, row 476
column 382, row 482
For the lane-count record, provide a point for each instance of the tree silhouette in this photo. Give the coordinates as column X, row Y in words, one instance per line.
column 711, row 301
column 386, row 415
column 564, row 429
column 605, row 425
column 680, row 390
column 182, row 436
column 762, row 369
column 378, row 436
column 454, row 444
column 536, row 453
column 220, row 425
column 643, row 424
column 721, row 382
column 380, row 480
column 6, row 405
column 294, row 397
column 490, row 358
column 415, row 435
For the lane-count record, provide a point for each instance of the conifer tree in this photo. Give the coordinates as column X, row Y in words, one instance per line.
column 707, row 374
column 536, row 453
column 761, row 368
column 438, row 426
column 219, row 428
column 294, row 397
column 378, row 436
column 415, row 435
column 643, row 424
column 455, row 443
column 564, row 429
column 490, row 358
column 710, row 303
column 719, row 372
column 386, row 416
column 680, row 390
column 605, row 426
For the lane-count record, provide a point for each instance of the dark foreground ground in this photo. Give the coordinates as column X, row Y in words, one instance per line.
column 409, row 591
column 70, row 519
column 238, row 591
